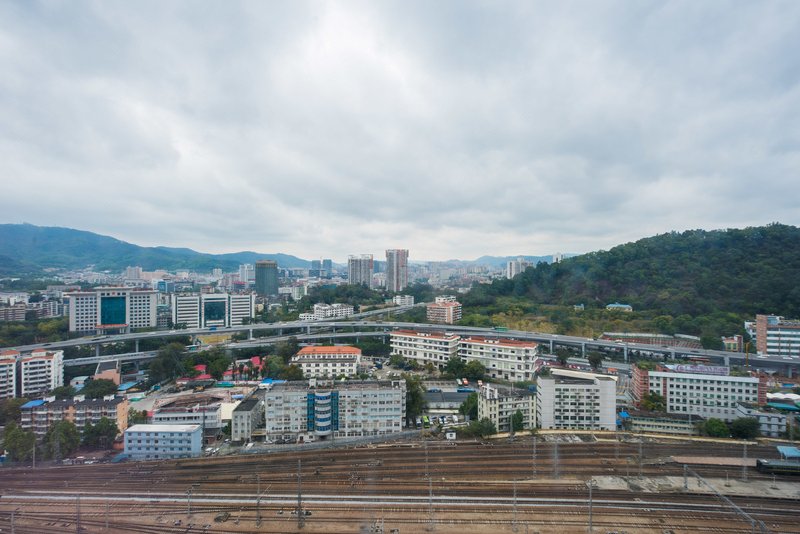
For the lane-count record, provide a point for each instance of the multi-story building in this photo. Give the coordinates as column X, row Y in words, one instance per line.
column 698, row 389
column 157, row 442
column 733, row 343
column 360, row 269
column 403, row 300
column 318, row 410
column 328, row 362
column 326, row 311
column 566, row 402
column 39, row 415
column 662, row 423
column 247, row 275
column 771, row 423
column 212, row 309
column 8, row 374
column 499, row 404
column 775, row 336
column 515, row 267
column 246, row 418
column 327, row 268
column 208, row 417
column 505, row 359
column 267, row 278
column 396, row 269
column 424, row 347
column 13, row 313
column 112, row 309
column 41, row 372
column 444, row 312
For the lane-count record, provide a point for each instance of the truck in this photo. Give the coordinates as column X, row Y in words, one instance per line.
column 212, row 328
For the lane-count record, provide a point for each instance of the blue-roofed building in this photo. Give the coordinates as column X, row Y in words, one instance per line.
column 126, row 386
column 789, row 453
column 32, row 404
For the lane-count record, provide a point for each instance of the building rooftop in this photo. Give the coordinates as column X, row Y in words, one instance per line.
column 500, row 342
column 328, row 385
column 106, row 365
column 432, row 335
column 163, row 428
column 247, row 405
column 339, row 349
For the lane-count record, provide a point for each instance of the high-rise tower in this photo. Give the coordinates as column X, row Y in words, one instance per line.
column 396, row 269
column 359, row 269
column 266, row 278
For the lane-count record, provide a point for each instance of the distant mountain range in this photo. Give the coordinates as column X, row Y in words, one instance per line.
column 30, row 249
column 501, row 261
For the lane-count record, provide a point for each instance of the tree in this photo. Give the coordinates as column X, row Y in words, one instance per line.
column 10, row 410
column 595, row 359
column 716, row 428
column 292, row 372
column 454, row 367
column 168, row 363
column 63, row 392
column 61, row 439
column 474, row 370
column 562, row 355
column 745, row 428
column 100, row 435
column 470, row 406
column 654, row 402
column 517, row 421
column 483, row 428
column 94, row 389
column 136, row 417
column 415, row 397
column 287, row 349
column 18, row 443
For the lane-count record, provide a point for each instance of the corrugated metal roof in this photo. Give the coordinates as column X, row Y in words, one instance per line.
column 789, row 452
column 32, row 404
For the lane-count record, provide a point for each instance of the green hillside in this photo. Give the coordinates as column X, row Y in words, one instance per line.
column 697, row 272
column 29, row 247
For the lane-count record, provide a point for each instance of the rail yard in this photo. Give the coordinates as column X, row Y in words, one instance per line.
column 630, row 485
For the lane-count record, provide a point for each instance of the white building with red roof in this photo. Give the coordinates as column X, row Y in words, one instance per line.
column 320, row 362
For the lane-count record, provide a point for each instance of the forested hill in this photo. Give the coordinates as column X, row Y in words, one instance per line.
column 754, row 270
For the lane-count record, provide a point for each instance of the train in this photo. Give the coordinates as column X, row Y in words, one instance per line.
column 778, row 467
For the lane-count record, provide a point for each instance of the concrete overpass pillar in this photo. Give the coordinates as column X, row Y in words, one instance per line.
column 136, row 343
column 334, row 329
column 250, row 334
column 727, row 360
column 583, row 350
column 672, row 353
column 308, row 329
column 97, row 350
column 789, row 370
column 551, row 346
column 625, row 353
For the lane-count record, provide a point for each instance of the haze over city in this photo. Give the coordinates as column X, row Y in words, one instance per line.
column 450, row 129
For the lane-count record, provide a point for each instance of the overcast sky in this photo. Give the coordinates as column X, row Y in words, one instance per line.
column 453, row 129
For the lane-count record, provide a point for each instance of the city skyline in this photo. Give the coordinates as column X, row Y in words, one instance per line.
column 452, row 130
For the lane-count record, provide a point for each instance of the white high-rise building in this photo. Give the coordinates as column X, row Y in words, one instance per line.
column 515, row 267
column 41, row 372
column 8, row 374
column 359, row 270
column 567, row 402
column 112, row 309
column 396, row 269
column 247, row 274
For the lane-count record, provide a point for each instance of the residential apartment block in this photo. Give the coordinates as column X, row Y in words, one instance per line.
column 40, row 373
column 328, row 362
column 208, row 417
column 328, row 311
column 39, row 415
column 318, row 410
column 157, row 442
column 444, row 312
column 505, row 359
column 499, row 404
column 771, row 423
column 8, row 374
column 360, row 269
column 775, row 336
column 246, row 418
column 697, row 389
column 567, row 402
column 396, row 269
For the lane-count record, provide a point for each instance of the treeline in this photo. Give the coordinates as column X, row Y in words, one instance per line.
column 694, row 273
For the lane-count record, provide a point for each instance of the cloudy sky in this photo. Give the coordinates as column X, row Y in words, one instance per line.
column 453, row 129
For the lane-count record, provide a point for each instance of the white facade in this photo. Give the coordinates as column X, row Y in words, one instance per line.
column 333, row 362
column 771, row 424
column 8, row 374
column 205, row 416
column 359, row 270
column 576, row 403
column 704, row 394
column 775, row 336
column 41, row 372
column 500, row 404
column 505, row 359
column 424, row 347
column 156, row 442
column 319, row 410
column 403, row 300
column 120, row 308
column 515, row 267
column 396, row 269
column 212, row 309
column 326, row 311
column 246, row 417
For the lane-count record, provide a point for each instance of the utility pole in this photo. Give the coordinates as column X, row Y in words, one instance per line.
column 744, row 463
column 555, row 459
column 301, row 520
column 258, row 500
column 590, row 484
column 640, row 457
column 514, row 524
column 106, row 514
column 189, row 502
column 533, row 459
column 77, row 514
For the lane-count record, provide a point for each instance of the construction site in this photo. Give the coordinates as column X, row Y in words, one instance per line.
column 546, row 484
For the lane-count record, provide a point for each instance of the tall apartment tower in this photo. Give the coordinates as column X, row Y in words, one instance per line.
column 359, row 269
column 266, row 277
column 396, row 269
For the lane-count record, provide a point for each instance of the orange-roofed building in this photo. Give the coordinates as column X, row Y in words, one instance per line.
column 321, row 362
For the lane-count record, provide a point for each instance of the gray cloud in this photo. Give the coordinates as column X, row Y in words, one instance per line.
column 451, row 128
